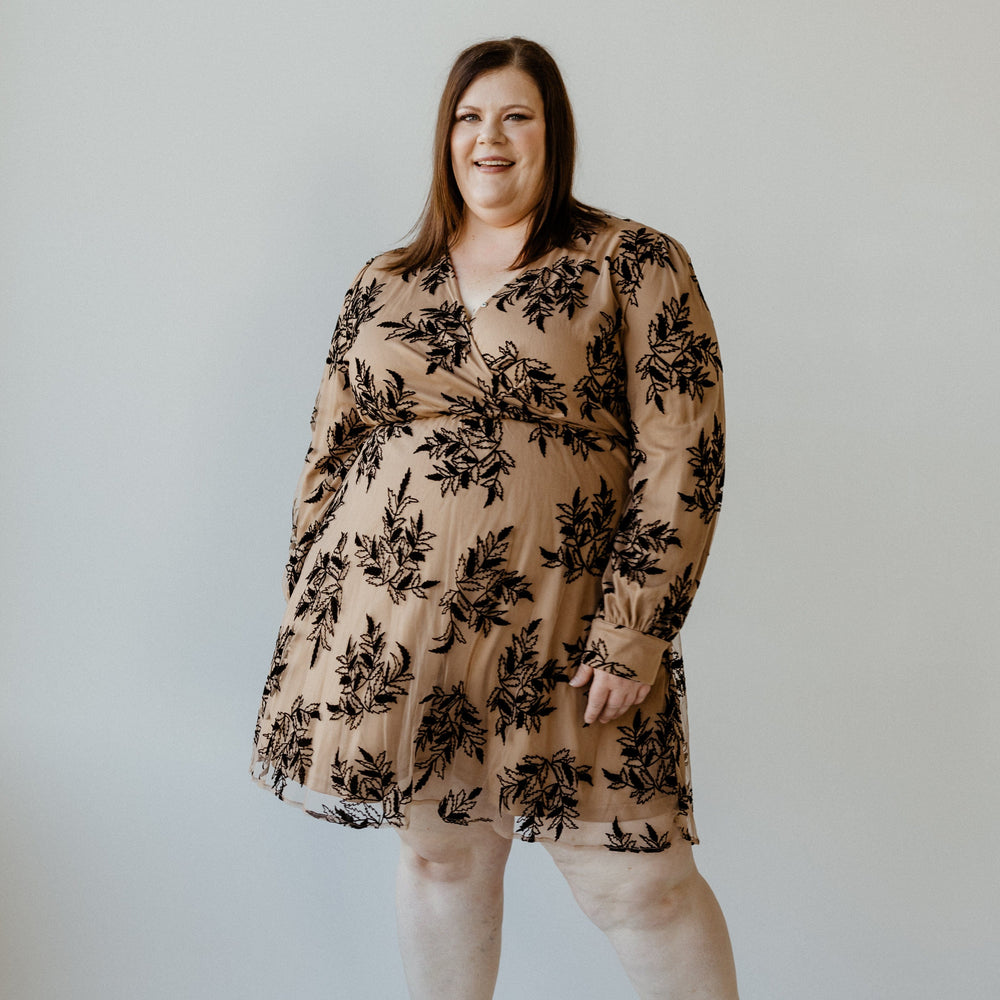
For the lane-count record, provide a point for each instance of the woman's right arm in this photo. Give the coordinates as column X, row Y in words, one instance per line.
column 337, row 432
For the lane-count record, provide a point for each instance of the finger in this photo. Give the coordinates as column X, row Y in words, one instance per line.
column 618, row 700
column 582, row 676
column 612, row 710
column 622, row 695
column 596, row 699
column 636, row 696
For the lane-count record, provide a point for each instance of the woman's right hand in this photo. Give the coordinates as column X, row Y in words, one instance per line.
column 610, row 696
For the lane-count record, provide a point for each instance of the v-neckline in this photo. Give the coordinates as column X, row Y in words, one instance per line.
column 457, row 288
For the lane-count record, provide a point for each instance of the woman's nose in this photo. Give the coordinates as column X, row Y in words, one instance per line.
column 490, row 131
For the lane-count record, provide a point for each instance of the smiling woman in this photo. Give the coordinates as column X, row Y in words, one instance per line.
column 503, row 517
column 498, row 148
column 498, row 160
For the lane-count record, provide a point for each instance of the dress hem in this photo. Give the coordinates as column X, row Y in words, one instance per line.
column 648, row 834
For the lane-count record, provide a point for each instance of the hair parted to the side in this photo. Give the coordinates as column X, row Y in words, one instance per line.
column 558, row 211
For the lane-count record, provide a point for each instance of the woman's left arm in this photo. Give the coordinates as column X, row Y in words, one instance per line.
column 674, row 390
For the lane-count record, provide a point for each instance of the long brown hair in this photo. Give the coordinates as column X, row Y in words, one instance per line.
column 558, row 213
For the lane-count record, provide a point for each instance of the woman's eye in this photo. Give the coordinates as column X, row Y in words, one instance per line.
column 516, row 116
column 469, row 117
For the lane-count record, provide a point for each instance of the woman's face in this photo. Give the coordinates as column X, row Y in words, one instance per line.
column 498, row 146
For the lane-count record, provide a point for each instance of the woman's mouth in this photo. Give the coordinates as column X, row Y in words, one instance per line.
column 493, row 165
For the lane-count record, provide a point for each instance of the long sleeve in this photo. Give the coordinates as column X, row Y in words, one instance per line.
column 674, row 392
column 337, row 432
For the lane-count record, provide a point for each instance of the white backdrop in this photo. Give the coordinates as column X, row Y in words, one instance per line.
column 186, row 189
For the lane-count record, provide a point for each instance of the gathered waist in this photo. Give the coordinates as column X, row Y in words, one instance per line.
column 492, row 423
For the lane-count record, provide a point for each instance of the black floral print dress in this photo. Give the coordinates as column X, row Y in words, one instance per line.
column 487, row 502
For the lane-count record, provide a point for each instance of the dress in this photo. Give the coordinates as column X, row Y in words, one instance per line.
column 487, row 502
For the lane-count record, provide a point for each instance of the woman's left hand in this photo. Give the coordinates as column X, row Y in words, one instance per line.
column 609, row 696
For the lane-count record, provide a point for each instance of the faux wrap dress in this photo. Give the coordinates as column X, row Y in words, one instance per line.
column 489, row 500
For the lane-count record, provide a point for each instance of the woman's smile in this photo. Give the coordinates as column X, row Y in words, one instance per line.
column 498, row 146
column 493, row 166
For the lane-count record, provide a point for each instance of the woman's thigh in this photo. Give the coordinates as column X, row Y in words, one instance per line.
column 429, row 840
column 606, row 881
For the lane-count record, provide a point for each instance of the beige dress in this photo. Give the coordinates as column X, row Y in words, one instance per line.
column 487, row 502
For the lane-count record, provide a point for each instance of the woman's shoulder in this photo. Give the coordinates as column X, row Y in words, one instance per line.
column 379, row 269
column 378, row 265
column 386, row 267
column 608, row 235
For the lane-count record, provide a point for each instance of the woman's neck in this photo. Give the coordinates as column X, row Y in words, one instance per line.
column 482, row 256
column 491, row 243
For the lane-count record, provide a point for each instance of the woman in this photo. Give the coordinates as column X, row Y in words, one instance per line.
column 506, row 506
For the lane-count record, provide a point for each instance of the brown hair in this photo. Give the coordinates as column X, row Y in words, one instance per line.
column 558, row 211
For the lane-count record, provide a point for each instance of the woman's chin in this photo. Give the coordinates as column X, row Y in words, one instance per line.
column 499, row 212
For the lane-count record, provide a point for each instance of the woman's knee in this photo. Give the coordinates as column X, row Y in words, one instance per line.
column 630, row 890
column 435, row 851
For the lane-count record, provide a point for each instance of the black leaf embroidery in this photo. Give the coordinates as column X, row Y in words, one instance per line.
column 650, row 843
column 519, row 389
column 637, row 249
column 371, row 681
column 708, row 460
column 526, row 381
column 596, row 656
column 485, row 590
column 450, row 726
column 298, row 550
column 279, row 662
column 442, row 328
column 584, row 232
column 603, row 387
column 320, row 600
column 638, row 542
column 457, row 807
column 392, row 402
column 357, row 310
column 587, row 524
column 575, row 650
column 635, row 454
column 389, row 407
column 369, row 459
column 342, row 439
column 696, row 282
column 521, row 697
column 287, row 751
column 548, row 290
column 680, row 357
column 580, row 440
column 372, row 796
column 654, row 757
column 673, row 609
column 544, row 791
column 435, row 275
column 468, row 453
column 393, row 559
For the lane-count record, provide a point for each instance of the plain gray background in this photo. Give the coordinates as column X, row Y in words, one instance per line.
column 186, row 189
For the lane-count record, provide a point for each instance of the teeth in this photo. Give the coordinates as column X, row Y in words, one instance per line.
column 493, row 163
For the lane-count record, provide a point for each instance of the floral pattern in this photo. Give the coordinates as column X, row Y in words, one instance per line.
column 487, row 504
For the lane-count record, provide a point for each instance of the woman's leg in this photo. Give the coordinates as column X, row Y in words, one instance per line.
column 660, row 915
column 449, row 906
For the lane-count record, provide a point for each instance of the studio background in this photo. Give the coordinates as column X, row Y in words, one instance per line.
column 186, row 190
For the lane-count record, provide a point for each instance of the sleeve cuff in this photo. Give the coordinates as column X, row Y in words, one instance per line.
column 624, row 651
